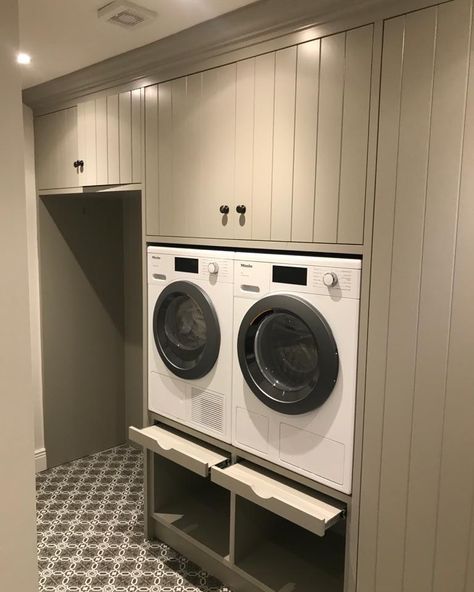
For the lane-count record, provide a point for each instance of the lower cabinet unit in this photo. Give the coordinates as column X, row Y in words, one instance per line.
column 253, row 529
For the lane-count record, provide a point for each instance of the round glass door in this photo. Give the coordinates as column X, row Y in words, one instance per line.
column 287, row 354
column 186, row 330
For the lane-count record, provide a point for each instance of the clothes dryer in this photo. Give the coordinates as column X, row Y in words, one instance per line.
column 190, row 301
column 296, row 323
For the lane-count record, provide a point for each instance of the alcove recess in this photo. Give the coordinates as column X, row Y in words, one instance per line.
column 91, row 318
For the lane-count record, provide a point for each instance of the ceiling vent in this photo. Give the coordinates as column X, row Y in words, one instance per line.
column 126, row 14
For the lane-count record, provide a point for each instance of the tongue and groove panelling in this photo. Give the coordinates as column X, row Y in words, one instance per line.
column 284, row 133
column 416, row 530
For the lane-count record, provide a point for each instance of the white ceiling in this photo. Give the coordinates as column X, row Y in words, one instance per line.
column 65, row 35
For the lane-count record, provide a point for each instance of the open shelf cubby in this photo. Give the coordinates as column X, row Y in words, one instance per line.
column 192, row 504
column 286, row 557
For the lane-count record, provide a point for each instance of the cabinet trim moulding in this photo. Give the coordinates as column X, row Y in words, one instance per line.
column 268, row 24
column 91, row 189
column 331, row 248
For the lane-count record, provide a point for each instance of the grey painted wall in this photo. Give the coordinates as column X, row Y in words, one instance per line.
column 18, row 569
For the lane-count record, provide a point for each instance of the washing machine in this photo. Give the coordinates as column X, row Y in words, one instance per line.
column 296, row 322
column 190, row 302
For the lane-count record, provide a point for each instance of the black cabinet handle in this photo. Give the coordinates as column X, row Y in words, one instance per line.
column 241, row 209
column 224, row 210
column 78, row 163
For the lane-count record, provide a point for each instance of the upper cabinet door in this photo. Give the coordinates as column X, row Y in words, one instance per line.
column 104, row 135
column 56, row 150
column 110, row 139
column 331, row 138
column 190, row 152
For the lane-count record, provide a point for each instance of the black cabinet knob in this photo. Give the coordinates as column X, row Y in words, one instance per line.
column 224, row 209
column 241, row 209
column 78, row 164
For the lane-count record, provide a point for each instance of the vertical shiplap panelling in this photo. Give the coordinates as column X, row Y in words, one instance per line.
column 125, row 137
column 453, row 566
column 164, row 164
column 447, row 123
column 417, row 83
column 151, row 160
column 194, row 164
column 86, row 126
column 391, row 82
column 283, row 144
column 137, row 98
column 67, row 150
column 244, row 154
column 101, row 131
column 113, row 153
column 173, row 206
column 306, row 130
column 355, row 132
column 219, row 134
column 331, row 99
column 263, row 145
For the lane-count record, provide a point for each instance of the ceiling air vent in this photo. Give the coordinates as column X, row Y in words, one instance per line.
column 126, row 14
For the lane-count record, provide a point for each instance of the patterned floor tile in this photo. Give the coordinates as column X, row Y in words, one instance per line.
column 90, row 532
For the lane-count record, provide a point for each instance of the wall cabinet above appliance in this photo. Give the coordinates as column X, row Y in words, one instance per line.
column 271, row 148
column 97, row 142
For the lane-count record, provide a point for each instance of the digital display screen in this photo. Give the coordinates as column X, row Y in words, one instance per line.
column 186, row 264
column 290, row 275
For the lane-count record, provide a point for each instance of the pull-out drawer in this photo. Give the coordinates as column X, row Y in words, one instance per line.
column 294, row 504
column 185, row 452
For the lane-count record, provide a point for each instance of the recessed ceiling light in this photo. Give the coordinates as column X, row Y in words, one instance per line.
column 23, row 58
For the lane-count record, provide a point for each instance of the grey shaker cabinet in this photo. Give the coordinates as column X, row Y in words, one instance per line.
column 284, row 134
column 105, row 134
column 56, row 149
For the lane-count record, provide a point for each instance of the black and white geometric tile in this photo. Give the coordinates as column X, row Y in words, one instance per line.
column 90, row 531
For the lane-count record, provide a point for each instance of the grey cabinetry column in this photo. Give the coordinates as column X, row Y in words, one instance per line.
column 417, row 481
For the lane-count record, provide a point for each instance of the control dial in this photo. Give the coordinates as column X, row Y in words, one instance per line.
column 213, row 268
column 330, row 279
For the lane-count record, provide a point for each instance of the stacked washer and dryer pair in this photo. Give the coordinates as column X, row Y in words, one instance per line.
column 258, row 350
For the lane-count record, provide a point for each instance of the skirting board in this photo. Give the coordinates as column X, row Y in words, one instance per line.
column 40, row 460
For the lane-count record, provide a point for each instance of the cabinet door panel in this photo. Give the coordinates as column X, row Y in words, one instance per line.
column 195, row 174
column 244, row 147
column 137, row 97
column 217, row 150
column 57, row 149
column 113, row 160
column 263, row 146
column 177, row 217
column 101, row 130
column 331, row 92
column 283, row 143
column 152, row 161
column 125, row 137
column 86, row 128
column 306, row 134
column 355, row 132
column 165, row 159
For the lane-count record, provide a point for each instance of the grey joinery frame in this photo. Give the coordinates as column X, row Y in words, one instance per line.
column 419, row 412
column 423, row 232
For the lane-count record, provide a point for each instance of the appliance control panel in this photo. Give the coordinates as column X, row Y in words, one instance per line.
column 253, row 278
column 166, row 267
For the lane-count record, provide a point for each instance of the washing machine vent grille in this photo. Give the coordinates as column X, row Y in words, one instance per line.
column 207, row 410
